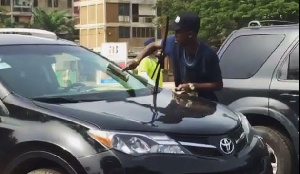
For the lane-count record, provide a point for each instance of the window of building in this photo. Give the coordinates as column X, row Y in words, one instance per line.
column 135, row 12
column 55, row 3
column 143, row 32
column 124, row 32
column 49, row 3
column 134, row 32
column 17, row 19
column 246, row 55
column 35, row 3
column 70, row 4
column 5, row 2
column 124, row 9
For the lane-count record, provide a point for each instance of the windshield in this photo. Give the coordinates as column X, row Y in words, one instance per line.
column 39, row 71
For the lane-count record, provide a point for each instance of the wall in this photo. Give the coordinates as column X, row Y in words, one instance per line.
column 112, row 34
column 112, row 13
column 92, row 38
column 83, row 15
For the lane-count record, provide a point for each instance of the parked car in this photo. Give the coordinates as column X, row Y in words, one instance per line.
column 52, row 121
column 260, row 66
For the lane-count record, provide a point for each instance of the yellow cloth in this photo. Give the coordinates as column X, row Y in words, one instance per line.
column 148, row 66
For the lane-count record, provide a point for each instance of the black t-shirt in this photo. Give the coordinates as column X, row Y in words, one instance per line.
column 201, row 67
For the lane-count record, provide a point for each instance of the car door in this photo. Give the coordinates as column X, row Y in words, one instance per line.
column 284, row 94
column 284, row 91
column 7, row 139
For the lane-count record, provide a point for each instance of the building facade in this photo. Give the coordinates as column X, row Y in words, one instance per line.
column 20, row 10
column 131, row 21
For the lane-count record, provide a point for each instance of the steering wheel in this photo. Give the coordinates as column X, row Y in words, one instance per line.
column 74, row 85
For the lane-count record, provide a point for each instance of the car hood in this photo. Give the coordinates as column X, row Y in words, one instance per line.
column 180, row 115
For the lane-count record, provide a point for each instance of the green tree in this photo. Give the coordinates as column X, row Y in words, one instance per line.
column 5, row 21
column 56, row 21
column 221, row 17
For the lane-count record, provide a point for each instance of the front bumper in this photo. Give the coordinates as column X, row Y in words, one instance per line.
column 252, row 160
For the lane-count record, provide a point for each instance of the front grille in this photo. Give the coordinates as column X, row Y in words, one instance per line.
column 198, row 146
column 201, row 151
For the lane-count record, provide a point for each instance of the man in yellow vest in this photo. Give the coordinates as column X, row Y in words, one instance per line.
column 148, row 65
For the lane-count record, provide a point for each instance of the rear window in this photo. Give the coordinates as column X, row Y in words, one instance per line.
column 246, row 55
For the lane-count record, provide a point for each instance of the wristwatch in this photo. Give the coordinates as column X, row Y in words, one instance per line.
column 192, row 86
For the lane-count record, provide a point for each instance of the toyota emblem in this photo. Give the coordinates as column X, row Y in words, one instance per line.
column 227, row 146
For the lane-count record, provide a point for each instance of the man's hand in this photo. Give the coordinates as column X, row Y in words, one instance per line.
column 132, row 65
column 184, row 87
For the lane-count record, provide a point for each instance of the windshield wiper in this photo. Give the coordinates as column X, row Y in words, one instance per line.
column 159, row 67
column 161, row 59
column 59, row 100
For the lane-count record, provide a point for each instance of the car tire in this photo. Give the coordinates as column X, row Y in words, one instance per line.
column 46, row 171
column 280, row 148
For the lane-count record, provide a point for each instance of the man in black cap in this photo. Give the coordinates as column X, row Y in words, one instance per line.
column 196, row 65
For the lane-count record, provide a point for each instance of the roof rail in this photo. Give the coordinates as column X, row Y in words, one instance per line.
column 271, row 22
column 31, row 32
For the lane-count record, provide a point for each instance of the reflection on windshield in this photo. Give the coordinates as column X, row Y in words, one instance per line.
column 35, row 71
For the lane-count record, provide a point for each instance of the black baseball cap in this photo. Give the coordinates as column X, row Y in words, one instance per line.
column 186, row 21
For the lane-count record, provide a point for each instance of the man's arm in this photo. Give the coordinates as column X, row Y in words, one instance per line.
column 147, row 51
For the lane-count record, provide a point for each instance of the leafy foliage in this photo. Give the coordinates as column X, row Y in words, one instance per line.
column 5, row 20
column 56, row 21
column 221, row 17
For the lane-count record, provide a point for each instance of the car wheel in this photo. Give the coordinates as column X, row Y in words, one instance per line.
column 46, row 171
column 280, row 149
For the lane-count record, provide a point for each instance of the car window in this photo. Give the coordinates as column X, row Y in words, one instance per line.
column 293, row 70
column 56, row 70
column 246, row 55
column 290, row 67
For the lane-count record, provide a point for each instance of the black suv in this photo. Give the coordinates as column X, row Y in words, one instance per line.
column 56, row 118
column 260, row 67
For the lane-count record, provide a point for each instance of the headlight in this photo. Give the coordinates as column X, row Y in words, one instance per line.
column 138, row 143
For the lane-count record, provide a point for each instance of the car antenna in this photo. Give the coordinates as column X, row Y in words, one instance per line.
column 160, row 63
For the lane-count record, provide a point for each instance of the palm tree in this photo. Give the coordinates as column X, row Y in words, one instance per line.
column 56, row 21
